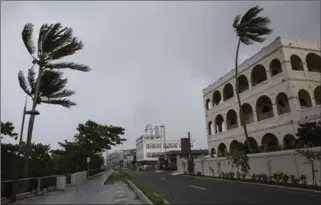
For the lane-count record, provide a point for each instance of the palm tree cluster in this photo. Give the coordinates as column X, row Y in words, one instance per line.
column 48, row 85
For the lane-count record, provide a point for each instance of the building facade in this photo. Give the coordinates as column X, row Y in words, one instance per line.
column 115, row 159
column 150, row 147
column 279, row 87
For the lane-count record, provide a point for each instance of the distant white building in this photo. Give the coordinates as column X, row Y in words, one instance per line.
column 115, row 158
column 149, row 147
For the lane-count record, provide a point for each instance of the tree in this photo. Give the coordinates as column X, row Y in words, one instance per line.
column 54, row 43
column 7, row 129
column 249, row 29
column 311, row 156
column 309, row 133
column 90, row 141
column 240, row 160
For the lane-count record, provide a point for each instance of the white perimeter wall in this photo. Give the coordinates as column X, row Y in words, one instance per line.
column 288, row 162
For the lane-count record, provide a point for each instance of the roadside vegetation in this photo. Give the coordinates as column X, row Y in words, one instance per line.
column 90, row 140
column 124, row 176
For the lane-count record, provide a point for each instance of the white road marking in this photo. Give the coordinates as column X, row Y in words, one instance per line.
column 163, row 179
column 197, row 187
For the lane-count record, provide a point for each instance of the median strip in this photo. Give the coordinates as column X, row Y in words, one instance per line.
column 197, row 187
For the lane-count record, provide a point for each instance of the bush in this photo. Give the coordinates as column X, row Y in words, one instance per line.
column 198, row 174
column 303, row 179
column 149, row 168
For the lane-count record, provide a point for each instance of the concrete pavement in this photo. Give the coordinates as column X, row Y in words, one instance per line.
column 92, row 192
column 188, row 190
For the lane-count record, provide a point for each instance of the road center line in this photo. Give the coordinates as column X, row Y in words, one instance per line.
column 197, row 187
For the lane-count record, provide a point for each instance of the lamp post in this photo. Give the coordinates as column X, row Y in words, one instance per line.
column 165, row 154
column 88, row 161
column 13, row 196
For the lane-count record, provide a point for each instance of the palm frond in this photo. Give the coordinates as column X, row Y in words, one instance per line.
column 27, row 38
column 255, row 38
column 64, row 36
column 63, row 102
column 52, row 33
column 246, row 40
column 252, row 27
column 23, row 83
column 251, row 13
column 70, row 48
column 52, row 82
column 236, row 21
column 62, row 94
column 32, row 79
column 41, row 36
column 70, row 65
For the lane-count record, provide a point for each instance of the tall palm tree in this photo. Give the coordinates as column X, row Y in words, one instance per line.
column 249, row 29
column 54, row 43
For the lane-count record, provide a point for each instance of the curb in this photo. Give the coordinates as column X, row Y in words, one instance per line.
column 142, row 197
column 98, row 174
column 259, row 184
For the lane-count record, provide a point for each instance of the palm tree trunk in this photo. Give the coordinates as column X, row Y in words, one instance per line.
column 31, row 124
column 238, row 98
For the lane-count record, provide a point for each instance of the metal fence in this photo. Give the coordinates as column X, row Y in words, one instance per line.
column 34, row 185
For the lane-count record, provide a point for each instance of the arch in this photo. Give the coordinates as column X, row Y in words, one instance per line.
column 222, row 151
column 219, row 124
column 282, row 103
column 270, row 143
column 275, row 67
column 236, row 146
column 296, row 63
column 213, row 152
column 264, row 108
column 288, row 142
column 304, row 99
column 217, row 98
column 313, row 62
column 317, row 95
column 247, row 113
column 208, row 104
column 253, row 143
column 243, row 83
column 228, row 91
column 231, row 120
column 258, row 75
column 210, row 128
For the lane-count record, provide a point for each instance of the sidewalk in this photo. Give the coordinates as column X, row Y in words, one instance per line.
column 93, row 192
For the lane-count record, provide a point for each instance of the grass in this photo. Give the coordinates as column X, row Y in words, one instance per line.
column 302, row 186
column 155, row 198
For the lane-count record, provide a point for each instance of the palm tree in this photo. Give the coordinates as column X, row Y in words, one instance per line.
column 249, row 29
column 54, row 43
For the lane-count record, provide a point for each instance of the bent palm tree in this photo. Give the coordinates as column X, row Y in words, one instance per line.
column 52, row 88
column 249, row 29
column 54, row 43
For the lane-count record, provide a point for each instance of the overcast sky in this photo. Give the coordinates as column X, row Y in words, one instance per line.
column 150, row 60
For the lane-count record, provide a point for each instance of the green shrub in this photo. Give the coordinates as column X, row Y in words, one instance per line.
column 303, row 179
column 199, row 174
column 149, row 168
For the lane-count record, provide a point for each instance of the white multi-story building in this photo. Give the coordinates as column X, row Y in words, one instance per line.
column 150, row 147
column 279, row 87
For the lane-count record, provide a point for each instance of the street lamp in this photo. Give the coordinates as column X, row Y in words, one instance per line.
column 13, row 196
column 165, row 154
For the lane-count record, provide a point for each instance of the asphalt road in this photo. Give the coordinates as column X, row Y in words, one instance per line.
column 188, row 190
